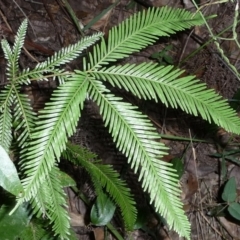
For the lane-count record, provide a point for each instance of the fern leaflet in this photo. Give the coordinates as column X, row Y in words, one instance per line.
column 138, row 31
column 149, row 81
column 108, row 178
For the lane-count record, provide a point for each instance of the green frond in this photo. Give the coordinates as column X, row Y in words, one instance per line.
column 51, row 64
column 73, row 152
column 63, row 56
column 17, row 47
column 56, row 205
column 38, row 203
column 136, row 137
column 119, row 192
column 56, row 122
column 6, row 128
column 24, row 116
column 36, row 231
column 12, row 55
column 149, row 81
column 50, row 202
column 62, row 78
column 6, row 101
column 109, row 179
column 139, row 31
column 7, row 51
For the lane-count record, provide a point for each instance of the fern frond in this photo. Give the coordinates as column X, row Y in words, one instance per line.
column 138, row 31
column 136, row 137
column 6, row 128
column 51, row 64
column 69, row 53
column 63, row 56
column 108, row 178
column 35, row 231
column 56, row 205
column 38, row 203
column 57, row 121
column 50, row 202
column 12, row 55
column 7, row 52
column 6, row 100
column 17, row 47
column 24, row 116
column 149, row 81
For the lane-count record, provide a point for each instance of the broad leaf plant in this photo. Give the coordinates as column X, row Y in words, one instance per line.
column 43, row 137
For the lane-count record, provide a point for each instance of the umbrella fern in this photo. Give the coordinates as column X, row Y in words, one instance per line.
column 43, row 138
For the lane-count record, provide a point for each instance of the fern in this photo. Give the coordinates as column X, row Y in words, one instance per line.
column 149, row 81
column 12, row 55
column 43, row 138
column 52, row 63
column 56, row 201
column 107, row 178
column 5, row 128
column 139, row 31
column 136, row 138
column 56, row 122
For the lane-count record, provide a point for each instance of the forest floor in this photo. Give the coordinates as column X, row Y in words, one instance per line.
column 204, row 150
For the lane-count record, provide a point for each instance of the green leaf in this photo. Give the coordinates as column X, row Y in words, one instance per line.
column 6, row 50
column 53, row 63
column 151, row 81
column 234, row 210
column 36, row 230
column 25, row 116
column 50, row 201
column 230, row 190
column 179, row 166
column 13, row 55
column 142, row 217
column 6, row 97
column 9, row 179
column 102, row 210
column 56, row 205
column 66, row 180
column 69, row 53
column 11, row 226
column 140, row 30
column 17, row 47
